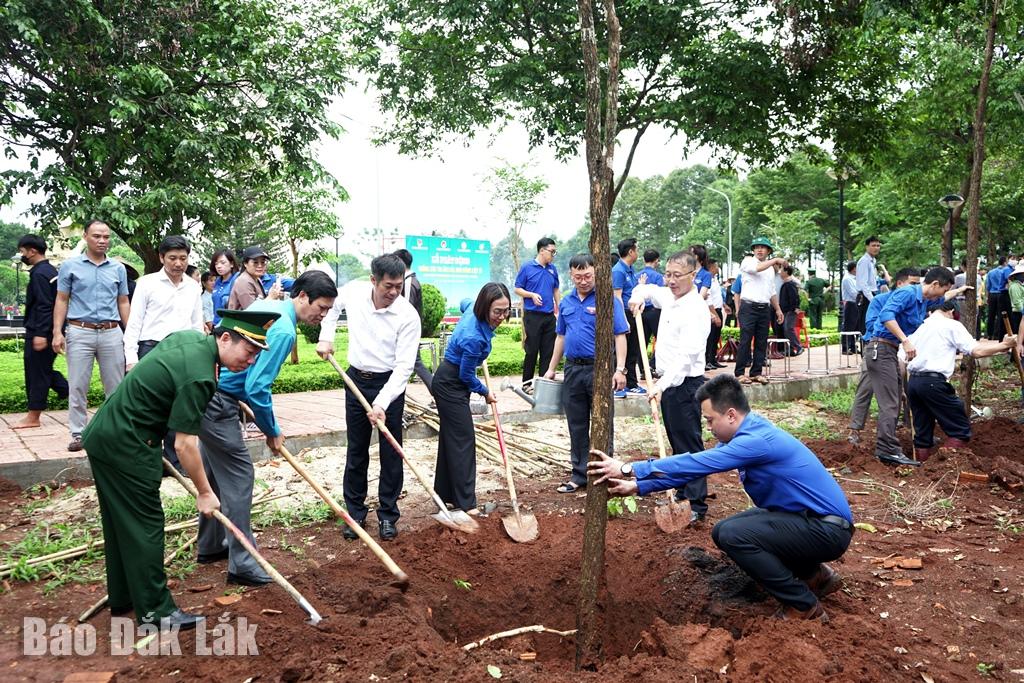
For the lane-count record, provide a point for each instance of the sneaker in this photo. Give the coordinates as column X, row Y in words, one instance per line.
column 76, row 443
column 621, row 393
column 637, row 391
column 853, row 437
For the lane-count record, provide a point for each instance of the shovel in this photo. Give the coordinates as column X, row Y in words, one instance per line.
column 314, row 616
column 453, row 519
column 1016, row 356
column 520, row 528
column 673, row 515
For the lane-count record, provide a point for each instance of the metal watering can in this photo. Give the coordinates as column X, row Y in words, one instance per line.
column 547, row 395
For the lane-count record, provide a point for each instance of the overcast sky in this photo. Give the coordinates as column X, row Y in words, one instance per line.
column 445, row 192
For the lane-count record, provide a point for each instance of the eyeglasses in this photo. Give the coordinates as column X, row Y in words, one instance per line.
column 500, row 311
column 578, row 277
column 669, row 275
column 551, row 250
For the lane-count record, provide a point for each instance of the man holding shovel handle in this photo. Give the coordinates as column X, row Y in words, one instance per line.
column 801, row 519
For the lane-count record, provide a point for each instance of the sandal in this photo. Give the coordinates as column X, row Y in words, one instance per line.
column 744, row 380
column 760, row 379
column 569, row 487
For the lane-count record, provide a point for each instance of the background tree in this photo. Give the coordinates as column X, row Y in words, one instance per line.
column 517, row 193
column 157, row 114
column 503, row 266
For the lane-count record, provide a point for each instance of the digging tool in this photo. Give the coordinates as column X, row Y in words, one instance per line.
column 401, row 578
column 673, row 515
column 314, row 616
column 520, row 528
column 453, row 519
column 1016, row 355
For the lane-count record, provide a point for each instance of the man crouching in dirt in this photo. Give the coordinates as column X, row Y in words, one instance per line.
column 801, row 520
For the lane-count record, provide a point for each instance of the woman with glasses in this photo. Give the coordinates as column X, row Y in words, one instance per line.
column 248, row 285
column 468, row 348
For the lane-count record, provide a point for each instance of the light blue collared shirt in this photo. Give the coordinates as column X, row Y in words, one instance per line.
column 93, row 288
column 867, row 276
column 252, row 385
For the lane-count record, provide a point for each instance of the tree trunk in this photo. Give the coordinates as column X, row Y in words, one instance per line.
column 600, row 148
column 293, row 245
column 970, row 313
column 514, row 240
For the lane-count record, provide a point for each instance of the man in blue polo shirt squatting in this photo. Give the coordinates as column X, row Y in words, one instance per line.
column 623, row 281
column 537, row 284
column 801, row 518
column 575, row 329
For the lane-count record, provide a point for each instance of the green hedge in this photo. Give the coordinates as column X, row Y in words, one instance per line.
column 833, row 336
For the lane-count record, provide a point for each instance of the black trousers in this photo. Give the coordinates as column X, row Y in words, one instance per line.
column 933, row 399
column 40, row 376
column 651, row 317
column 578, row 400
column 1004, row 307
column 711, row 351
column 357, row 456
column 862, row 313
column 681, row 414
column 851, row 318
column 780, row 550
column 539, row 329
column 755, row 320
column 632, row 351
column 455, row 472
column 145, row 346
column 993, row 322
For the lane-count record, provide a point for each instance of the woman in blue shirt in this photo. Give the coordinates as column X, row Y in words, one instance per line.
column 225, row 267
column 468, row 348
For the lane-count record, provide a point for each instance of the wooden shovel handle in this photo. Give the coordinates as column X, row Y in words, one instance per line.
column 501, row 446
column 1016, row 355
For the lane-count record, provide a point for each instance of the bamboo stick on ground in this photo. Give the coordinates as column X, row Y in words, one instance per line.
column 515, row 632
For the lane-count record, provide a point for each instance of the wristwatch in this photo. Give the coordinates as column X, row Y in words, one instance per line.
column 622, row 370
column 626, row 469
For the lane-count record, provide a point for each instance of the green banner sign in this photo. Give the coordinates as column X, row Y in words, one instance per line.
column 457, row 266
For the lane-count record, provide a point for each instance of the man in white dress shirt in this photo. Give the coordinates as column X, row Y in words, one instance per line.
column 383, row 340
column 684, row 328
column 931, row 396
column 164, row 302
column 760, row 300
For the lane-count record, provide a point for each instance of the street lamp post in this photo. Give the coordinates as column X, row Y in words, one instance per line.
column 336, row 257
column 841, row 175
column 951, row 202
column 728, row 204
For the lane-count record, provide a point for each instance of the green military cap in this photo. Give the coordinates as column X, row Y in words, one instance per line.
column 762, row 242
column 252, row 325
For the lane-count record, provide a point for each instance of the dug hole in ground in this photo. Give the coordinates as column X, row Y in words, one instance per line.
column 674, row 609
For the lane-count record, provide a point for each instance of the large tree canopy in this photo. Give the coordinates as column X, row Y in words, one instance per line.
column 158, row 114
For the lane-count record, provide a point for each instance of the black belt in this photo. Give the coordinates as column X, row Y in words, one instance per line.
column 366, row 374
column 579, row 361
column 754, row 304
column 835, row 520
column 935, row 375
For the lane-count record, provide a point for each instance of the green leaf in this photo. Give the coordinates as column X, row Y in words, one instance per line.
column 864, row 526
column 494, row 671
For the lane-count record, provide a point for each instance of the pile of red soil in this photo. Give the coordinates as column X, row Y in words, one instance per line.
column 674, row 609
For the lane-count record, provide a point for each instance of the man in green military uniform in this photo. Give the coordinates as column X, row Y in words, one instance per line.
column 815, row 287
column 167, row 390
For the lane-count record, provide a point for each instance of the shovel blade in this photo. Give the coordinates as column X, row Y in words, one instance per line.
column 457, row 520
column 521, row 529
column 672, row 517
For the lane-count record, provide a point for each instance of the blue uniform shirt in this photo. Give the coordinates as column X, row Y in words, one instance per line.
column 577, row 320
column 543, row 280
column 907, row 306
column 702, row 280
column 268, row 281
column 874, row 308
column 93, row 288
column 653, row 278
column 777, row 471
column 221, row 294
column 252, row 385
column 468, row 348
column 996, row 280
column 624, row 278
column 737, row 286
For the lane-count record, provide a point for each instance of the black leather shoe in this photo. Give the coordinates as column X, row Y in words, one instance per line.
column 210, row 558
column 898, row 460
column 185, row 621
column 121, row 611
column 242, row 580
column 388, row 530
column 697, row 517
column 349, row 533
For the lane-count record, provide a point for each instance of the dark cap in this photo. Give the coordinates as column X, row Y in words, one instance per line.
column 252, row 325
column 943, row 305
column 254, row 252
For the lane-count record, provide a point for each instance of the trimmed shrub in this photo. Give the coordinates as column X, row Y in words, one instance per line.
column 310, row 332
column 434, row 306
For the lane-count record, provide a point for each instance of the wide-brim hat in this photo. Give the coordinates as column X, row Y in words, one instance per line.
column 252, row 325
column 1019, row 270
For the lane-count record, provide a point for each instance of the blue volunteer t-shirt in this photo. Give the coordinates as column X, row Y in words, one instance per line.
column 543, row 280
column 624, row 278
column 577, row 320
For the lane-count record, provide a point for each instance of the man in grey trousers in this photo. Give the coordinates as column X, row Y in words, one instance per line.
column 225, row 457
column 92, row 299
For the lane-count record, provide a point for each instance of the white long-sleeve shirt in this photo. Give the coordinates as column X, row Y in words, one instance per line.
column 379, row 339
column 682, row 332
column 160, row 307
